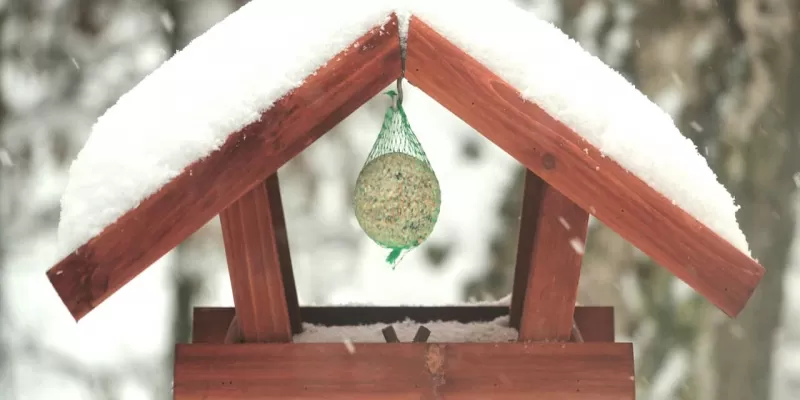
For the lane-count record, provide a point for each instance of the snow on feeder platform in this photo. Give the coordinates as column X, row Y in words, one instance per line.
column 205, row 134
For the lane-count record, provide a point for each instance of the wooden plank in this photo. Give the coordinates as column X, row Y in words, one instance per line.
column 551, row 241
column 670, row 236
column 564, row 371
column 254, row 256
column 86, row 277
column 284, row 257
column 532, row 194
column 211, row 324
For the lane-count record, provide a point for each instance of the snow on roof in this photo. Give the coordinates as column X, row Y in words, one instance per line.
column 229, row 76
column 441, row 331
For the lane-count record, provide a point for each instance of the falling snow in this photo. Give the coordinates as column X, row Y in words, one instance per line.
column 577, row 245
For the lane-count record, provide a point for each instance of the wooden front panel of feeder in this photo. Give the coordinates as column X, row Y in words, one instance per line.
column 598, row 369
column 485, row 371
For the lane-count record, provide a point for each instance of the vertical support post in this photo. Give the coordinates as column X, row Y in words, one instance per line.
column 551, row 242
column 533, row 188
column 284, row 258
column 256, row 246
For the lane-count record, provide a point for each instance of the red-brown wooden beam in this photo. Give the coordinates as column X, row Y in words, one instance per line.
column 637, row 212
column 256, row 246
column 86, row 277
column 213, row 324
column 486, row 371
column 552, row 236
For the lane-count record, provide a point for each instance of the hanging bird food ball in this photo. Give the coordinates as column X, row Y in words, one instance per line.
column 397, row 200
column 397, row 195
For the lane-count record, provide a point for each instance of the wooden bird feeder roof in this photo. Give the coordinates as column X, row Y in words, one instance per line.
column 597, row 184
column 568, row 178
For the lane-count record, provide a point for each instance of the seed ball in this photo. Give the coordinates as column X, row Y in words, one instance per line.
column 397, row 200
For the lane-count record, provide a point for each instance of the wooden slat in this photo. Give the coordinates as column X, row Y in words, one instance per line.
column 254, row 256
column 210, row 324
column 596, row 371
column 86, row 277
column 670, row 236
column 284, row 257
column 551, row 241
column 532, row 194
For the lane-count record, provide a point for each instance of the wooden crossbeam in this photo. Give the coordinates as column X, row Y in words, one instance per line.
column 211, row 324
column 577, row 169
column 551, row 240
column 88, row 276
column 257, row 249
column 487, row 371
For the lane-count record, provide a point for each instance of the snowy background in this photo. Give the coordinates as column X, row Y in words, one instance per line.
column 720, row 70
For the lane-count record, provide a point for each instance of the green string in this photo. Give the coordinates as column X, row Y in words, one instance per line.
column 396, row 135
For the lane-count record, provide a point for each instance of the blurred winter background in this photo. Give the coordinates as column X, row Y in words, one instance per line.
column 727, row 70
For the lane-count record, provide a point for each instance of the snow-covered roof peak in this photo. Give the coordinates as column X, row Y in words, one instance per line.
column 226, row 79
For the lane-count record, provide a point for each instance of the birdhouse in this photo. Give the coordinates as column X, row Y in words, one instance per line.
column 205, row 134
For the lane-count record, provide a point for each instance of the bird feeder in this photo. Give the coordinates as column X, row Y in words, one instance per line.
column 247, row 352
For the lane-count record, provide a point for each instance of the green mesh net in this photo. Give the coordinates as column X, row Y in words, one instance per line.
column 397, row 195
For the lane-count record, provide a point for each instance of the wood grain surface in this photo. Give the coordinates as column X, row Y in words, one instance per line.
column 552, row 237
column 257, row 250
column 547, row 371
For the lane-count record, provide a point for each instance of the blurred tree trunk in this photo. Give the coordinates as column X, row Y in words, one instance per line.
column 758, row 155
column 6, row 388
